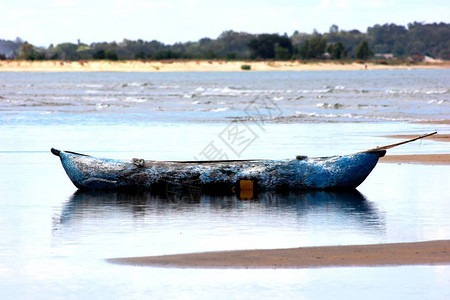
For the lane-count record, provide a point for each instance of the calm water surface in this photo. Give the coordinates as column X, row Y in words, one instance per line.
column 54, row 240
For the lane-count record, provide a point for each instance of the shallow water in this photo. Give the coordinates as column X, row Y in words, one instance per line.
column 383, row 95
column 54, row 240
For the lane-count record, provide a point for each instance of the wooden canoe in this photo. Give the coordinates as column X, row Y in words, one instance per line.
column 226, row 176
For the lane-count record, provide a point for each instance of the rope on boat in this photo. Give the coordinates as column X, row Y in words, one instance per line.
column 138, row 162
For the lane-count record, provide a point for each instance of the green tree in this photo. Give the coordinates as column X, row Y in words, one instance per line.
column 210, row 54
column 317, row 46
column 66, row 51
column 27, row 51
column 167, row 54
column 337, row 50
column 10, row 48
column 363, row 51
column 233, row 42
column 111, row 55
column 416, row 38
column 100, row 54
column 303, row 51
column 384, row 37
column 334, row 29
column 431, row 39
column 231, row 55
column 139, row 55
column 313, row 47
column 350, row 39
column 264, row 46
column 282, row 53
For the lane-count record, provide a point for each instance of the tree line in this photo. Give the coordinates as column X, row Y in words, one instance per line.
column 398, row 41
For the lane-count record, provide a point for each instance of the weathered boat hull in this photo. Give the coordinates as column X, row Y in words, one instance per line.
column 322, row 173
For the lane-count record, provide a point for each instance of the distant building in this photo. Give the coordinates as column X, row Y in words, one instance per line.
column 430, row 59
column 326, row 55
column 416, row 58
column 384, row 56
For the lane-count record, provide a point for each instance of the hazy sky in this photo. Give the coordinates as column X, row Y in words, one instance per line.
column 55, row 21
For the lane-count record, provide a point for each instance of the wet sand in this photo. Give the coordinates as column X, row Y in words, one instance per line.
column 433, row 159
column 436, row 137
column 198, row 66
column 443, row 122
column 398, row 254
column 429, row 159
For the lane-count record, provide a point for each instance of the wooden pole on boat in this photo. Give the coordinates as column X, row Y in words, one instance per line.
column 386, row 147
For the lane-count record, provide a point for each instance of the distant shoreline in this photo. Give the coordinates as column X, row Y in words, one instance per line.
column 200, row 66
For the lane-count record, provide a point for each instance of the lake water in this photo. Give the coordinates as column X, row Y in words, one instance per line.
column 54, row 240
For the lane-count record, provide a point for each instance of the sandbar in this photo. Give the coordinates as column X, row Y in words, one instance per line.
column 436, row 137
column 395, row 254
column 200, row 66
column 433, row 159
column 429, row 159
column 441, row 122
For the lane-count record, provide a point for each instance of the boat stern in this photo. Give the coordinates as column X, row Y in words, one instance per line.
column 90, row 173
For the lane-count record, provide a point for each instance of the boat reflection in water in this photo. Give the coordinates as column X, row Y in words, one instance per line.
column 338, row 205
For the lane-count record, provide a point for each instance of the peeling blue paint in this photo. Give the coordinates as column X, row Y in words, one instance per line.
column 335, row 172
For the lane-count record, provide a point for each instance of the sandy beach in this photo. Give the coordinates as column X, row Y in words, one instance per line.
column 198, row 66
column 419, row 253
